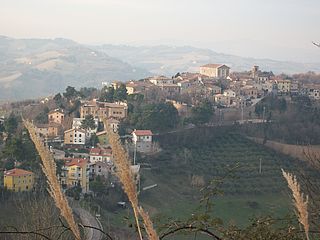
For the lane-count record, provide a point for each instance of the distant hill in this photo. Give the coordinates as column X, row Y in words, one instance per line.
column 40, row 67
column 169, row 60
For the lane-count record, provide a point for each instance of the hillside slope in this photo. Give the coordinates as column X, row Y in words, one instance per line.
column 208, row 153
column 39, row 67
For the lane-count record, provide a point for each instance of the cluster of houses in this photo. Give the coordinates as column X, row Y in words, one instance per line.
column 214, row 82
column 225, row 89
column 88, row 163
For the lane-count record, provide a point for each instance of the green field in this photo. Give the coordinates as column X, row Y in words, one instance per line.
column 208, row 153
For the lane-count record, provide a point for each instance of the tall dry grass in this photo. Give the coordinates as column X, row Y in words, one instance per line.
column 49, row 168
column 152, row 234
column 299, row 200
column 125, row 175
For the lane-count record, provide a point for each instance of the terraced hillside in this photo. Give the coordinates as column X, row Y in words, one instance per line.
column 206, row 154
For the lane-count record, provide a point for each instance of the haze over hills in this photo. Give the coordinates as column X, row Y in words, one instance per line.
column 168, row 60
column 40, row 67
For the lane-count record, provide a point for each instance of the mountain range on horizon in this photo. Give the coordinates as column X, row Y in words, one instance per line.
column 40, row 67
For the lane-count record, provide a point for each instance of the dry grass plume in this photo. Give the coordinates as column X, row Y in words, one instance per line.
column 125, row 175
column 49, row 168
column 299, row 200
column 152, row 234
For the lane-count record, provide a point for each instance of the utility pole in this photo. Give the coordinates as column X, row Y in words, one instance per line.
column 135, row 153
column 242, row 113
column 260, row 165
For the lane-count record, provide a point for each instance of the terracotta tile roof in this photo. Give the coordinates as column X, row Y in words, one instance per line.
column 80, row 162
column 95, row 151
column 142, row 132
column 17, row 172
column 100, row 152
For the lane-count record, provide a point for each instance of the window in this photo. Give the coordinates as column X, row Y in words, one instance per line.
column 80, row 135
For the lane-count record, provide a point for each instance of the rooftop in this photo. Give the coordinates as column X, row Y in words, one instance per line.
column 143, row 132
column 56, row 110
column 80, row 162
column 214, row 65
column 99, row 151
column 17, row 172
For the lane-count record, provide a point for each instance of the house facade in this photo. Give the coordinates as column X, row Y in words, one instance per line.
column 75, row 173
column 215, row 70
column 75, row 136
column 142, row 140
column 100, row 155
column 249, row 92
column 18, row 180
column 222, row 100
column 56, row 116
column 48, row 130
column 100, row 169
column 283, row 86
column 229, row 93
column 101, row 110
column 161, row 80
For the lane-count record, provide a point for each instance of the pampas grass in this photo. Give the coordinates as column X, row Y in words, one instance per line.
column 152, row 234
column 124, row 173
column 300, row 202
column 49, row 168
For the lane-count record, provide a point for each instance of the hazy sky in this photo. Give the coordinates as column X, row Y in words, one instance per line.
column 278, row 29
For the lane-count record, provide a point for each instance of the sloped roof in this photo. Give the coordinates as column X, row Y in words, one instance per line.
column 142, row 132
column 76, row 130
column 100, row 152
column 17, row 172
column 214, row 65
column 57, row 110
column 80, row 162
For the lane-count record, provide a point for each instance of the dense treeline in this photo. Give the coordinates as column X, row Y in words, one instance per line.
column 295, row 122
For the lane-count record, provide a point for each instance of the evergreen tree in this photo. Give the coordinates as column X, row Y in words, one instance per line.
column 88, row 123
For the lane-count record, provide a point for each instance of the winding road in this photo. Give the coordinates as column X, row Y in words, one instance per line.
column 89, row 220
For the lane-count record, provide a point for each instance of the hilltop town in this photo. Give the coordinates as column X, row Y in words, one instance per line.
column 73, row 126
column 78, row 137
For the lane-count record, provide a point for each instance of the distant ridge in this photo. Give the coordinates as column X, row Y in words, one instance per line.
column 38, row 67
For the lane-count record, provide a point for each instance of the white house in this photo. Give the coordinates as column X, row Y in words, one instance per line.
column 142, row 140
column 229, row 93
column 100, row 155
column 161, row 80
column 75, row 136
